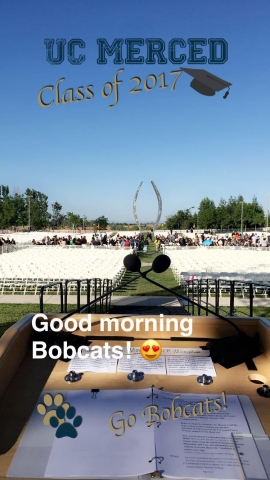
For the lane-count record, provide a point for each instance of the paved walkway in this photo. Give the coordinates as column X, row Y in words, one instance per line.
column 144, row 301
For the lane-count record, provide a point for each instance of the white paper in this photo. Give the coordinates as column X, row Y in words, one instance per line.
column 198, row 352
column 96, row 452
column 182, row 365
column 137, row 362
column 249, row 456
column 97, row 365
column 200, row 446
column 208, row 457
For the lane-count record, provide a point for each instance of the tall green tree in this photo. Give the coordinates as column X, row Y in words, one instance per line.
column 39, row 215
column 223, row 218
column 183, row 219
column 4, row 190
column 13, row 210
column 253, row 214
column 57, row 217
column 238, row 208
column 6, row 212
column 207, row 214
column 73, row 220
column 101, row 223
column 172, row 222
column 19, row 210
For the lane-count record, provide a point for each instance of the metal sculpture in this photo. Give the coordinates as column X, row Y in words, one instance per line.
column 159, row 206
column 134, row 207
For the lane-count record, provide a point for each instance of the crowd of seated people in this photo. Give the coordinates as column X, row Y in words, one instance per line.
column 260, row 239
column 55, row 240
column 97, row 240
column 7, row 241
column 236, row 239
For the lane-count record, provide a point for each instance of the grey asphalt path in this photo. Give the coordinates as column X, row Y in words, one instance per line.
column 144, row 301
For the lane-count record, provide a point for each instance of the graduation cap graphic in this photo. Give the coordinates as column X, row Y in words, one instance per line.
column 206, row 83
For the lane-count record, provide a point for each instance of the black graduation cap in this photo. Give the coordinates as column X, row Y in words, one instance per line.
column 205, row 82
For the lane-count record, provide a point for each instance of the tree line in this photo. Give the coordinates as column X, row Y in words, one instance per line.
column 231, row 214
column 31, row 210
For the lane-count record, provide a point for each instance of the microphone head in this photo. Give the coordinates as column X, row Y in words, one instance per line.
column 132, row 263
column 161, row 263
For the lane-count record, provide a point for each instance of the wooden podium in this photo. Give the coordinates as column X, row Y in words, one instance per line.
column 22, row 378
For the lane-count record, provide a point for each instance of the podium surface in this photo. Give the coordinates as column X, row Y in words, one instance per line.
column 23, row 378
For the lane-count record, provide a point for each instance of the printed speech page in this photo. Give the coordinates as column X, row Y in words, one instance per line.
column 199, row 444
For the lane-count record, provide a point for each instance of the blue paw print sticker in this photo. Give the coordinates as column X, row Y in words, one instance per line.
column 66, row 429
column 57, row 417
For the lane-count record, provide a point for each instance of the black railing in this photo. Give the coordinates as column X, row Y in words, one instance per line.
column 78, row 291
column 49, row 286
column 107, row 288
column 203, row 295
column 99, row 289
column 208, row 292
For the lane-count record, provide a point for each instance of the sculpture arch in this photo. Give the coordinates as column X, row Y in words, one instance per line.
column 159, row 206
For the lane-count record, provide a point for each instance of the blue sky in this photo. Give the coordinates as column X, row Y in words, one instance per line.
column 91, row 158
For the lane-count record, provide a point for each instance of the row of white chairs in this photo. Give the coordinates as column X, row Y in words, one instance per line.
column 240, row 288
column 241, row 264
column 206, row 264
column 53, row 262
column 30, row 286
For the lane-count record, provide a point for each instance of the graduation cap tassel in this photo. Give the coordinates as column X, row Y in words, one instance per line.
column 226, row 94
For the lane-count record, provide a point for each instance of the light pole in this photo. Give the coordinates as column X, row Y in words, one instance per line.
column 242, row 209
column 267, row 213
column 189, row 211
column 29, row 218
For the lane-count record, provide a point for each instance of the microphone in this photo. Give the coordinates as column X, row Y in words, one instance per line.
column 132, row 263
column 161, row 263
column 227, row 351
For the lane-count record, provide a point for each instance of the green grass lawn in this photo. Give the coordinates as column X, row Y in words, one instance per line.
column 238, row 311
column 143, row 287
column 257, row 311
column 149, row 255
column 10, row 313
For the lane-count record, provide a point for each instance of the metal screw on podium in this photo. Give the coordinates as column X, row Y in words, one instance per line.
column 135, row 376
column 264, row 391
column 205, row 379
column 73, row 376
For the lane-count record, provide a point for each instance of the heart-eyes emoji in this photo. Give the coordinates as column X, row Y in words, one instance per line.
column 150, row 350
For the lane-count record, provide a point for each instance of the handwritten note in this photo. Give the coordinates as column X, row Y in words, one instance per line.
column 198, row 352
